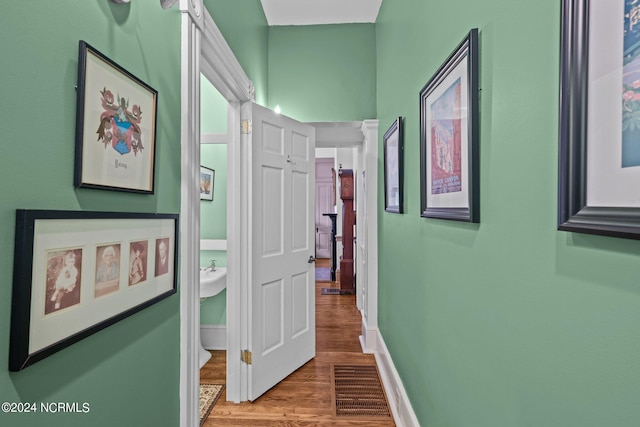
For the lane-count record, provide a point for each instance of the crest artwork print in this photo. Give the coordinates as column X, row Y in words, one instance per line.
column 115, row 126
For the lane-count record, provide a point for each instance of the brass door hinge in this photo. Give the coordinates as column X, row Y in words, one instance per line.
column 245, row 356
column 245, row 127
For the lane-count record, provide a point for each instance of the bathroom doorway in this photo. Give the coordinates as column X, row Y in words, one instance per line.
column 213, row 211
column 205, row 50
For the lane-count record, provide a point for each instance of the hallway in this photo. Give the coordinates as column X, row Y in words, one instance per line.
column 303, row 398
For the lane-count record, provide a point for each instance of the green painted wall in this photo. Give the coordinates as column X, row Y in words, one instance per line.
column 509, row 322
column 323, row 72
column 213, row 108
column 213, row 225
column 213, row 214
column 244, row 27
column 129, row 372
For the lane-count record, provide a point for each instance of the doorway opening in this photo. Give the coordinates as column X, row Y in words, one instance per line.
column 349, row 154
column 205, row 51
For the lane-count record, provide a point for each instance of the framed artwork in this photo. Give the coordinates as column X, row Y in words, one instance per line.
column 115, row 126
column 77, row 272
column 599, row 132
column 207, row 181
column 393, row 167
column 449, row 137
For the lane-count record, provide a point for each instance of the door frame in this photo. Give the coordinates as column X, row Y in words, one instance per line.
column 204, row 50
column 332, row 161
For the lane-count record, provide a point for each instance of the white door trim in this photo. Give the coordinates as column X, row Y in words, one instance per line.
column 222, row 69
column 368, row 228
column 205, row 51
column 189, row 218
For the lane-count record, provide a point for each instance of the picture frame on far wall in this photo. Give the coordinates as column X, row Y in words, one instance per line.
column 78, row 272
column 115, row 126
column 207, row 183
column 393, row 168
column 599, row 122
column 449, row 137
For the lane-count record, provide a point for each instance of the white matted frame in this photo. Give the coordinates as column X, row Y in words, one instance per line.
column 449, row 137
column 393, row 167
column 207, row 183
column 78, row 272
column 115, row 126
column 599, row 138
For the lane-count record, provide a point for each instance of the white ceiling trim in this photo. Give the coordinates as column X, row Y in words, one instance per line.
column 317, row 12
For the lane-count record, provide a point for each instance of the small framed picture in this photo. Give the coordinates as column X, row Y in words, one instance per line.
column 78, row 272
column 138, row 255
column 207, row 181
column 107, row 269
column 63, row 279
column 115, row 126
column 449, row 137
column 393, row 167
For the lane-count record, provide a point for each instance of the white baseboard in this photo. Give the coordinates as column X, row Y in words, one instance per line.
column 369, row 338
column 403, row 413
column 214, row 337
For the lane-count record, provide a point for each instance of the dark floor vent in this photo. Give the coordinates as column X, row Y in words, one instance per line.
column 358, row 392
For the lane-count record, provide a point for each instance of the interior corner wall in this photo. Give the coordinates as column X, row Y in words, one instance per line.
column 508, row 322
column 323, row 72
column 213, row 214
column 128, row 373
column 213, row 225
column 245, row 29
column 213, row 109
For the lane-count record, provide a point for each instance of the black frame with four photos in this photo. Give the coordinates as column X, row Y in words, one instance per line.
column 40, row 233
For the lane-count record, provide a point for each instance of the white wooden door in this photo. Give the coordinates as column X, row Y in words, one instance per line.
column 325, row 194
column 282, row 290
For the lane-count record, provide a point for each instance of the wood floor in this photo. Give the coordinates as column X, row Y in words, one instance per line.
column 303, row 398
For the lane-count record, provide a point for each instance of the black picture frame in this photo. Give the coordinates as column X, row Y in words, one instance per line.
column 78, row 272
column 449, row 137
column 394, row 167
column 580, row 208
column 207, row 183
column 116, row 115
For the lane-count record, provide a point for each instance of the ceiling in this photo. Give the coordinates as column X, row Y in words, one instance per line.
column 314, row 12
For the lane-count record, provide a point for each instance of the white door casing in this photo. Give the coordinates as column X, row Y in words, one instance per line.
column 282, row 294
column 324, row 204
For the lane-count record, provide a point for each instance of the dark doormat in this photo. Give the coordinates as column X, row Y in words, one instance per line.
column 358, row 392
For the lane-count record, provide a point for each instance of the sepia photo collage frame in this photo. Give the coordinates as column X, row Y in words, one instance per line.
column 77, row 272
